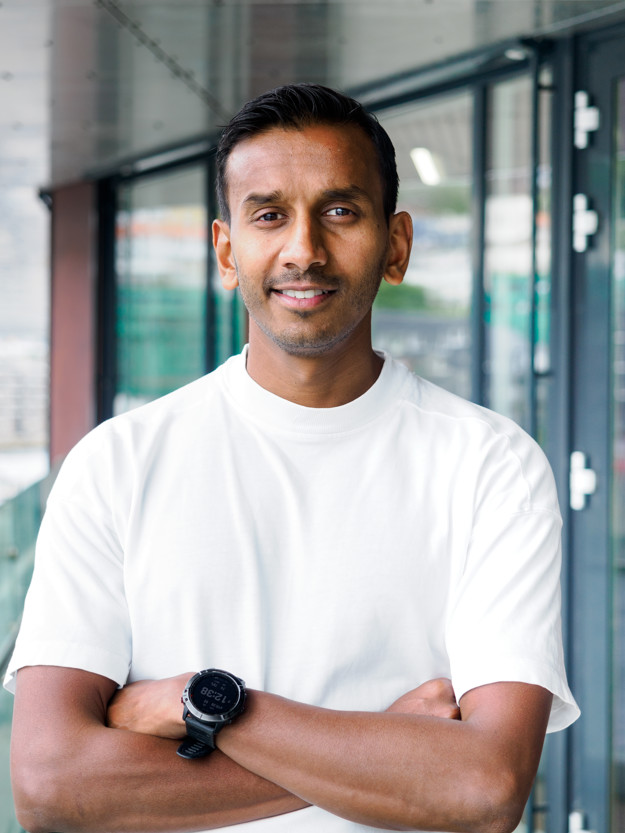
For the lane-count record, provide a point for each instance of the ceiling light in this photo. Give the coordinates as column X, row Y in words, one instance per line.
column 516, row 53
column 426, row 166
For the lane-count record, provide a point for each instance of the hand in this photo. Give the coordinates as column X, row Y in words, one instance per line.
column 151, row 707
column 435, row 698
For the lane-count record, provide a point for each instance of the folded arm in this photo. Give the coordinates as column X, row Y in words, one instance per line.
column 71, row 772
column 402, row 769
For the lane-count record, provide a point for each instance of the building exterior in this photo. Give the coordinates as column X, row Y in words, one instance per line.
column 509, row 124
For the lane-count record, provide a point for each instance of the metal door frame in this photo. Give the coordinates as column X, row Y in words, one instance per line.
column 599, row 61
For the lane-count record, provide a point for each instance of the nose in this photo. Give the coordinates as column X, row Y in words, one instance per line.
column 303, row 246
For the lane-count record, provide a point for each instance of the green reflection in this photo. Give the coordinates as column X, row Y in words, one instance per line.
column 161, row 265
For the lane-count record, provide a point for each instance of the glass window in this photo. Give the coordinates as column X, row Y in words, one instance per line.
column 161, row 285
column 426, row 322
column 618, row 473
column 229, row 319
column 508, row 278
column 543, row 292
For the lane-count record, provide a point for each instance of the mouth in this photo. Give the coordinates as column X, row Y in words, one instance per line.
column 303, row 293
column 302, row 300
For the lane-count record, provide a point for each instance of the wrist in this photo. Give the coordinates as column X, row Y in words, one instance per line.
column 228, row 736
column 211, row 700
column 150, row 707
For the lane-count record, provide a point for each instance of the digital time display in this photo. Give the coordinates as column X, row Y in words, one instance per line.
column 214, row 694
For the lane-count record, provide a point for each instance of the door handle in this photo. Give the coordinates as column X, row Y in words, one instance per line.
column 582, row 481
column 576, row 823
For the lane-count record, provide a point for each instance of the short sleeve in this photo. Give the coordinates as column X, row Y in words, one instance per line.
column 75, row 613
column 504, row 620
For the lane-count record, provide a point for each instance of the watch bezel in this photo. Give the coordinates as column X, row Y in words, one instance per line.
column 205, row 717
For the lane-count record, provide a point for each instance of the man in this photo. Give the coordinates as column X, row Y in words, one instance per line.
column 311, row 518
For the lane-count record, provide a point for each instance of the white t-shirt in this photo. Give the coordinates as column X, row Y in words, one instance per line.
column 338, row 557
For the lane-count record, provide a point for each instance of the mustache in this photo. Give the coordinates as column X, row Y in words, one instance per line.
column 291, row 276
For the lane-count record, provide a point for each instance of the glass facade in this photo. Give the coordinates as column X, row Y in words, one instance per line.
column 429, row 321
column 508, row 249
column 19, row 524
column 543, row 263
column 618, row 468
column 426, row 321
column 161, row 288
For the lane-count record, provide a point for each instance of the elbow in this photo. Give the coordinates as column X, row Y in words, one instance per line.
column 478, row 801
column 32, row 819
column 32, row 811
column 499, row 800
column 38, row 798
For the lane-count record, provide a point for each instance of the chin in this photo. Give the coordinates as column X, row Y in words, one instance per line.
column 308, row 348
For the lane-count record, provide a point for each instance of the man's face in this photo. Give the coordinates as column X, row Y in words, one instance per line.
column 308, row 242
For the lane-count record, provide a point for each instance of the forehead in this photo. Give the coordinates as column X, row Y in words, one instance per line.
column 303, row 161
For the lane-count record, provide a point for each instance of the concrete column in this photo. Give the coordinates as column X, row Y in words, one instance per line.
column 73, row 317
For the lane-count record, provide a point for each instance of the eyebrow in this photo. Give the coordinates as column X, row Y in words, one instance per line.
column 351, row 192
column 263, row 199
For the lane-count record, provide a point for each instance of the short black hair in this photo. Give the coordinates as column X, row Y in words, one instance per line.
column 302, row 105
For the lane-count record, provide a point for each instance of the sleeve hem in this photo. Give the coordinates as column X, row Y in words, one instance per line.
column 68, row 655
column 564, row 710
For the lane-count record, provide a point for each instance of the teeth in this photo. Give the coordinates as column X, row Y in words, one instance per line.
column 306, row 293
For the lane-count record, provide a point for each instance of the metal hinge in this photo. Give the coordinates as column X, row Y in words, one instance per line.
column 586, row 119
column 585, row 222
column 577, row 823
column 582, row 480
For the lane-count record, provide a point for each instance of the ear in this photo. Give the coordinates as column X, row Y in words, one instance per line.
column 225, row 258
column 400, row 245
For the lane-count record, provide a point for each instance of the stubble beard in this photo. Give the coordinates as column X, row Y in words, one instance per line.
column 310, row 342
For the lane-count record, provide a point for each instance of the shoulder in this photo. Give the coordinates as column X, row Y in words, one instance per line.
column 463, row 434
column 451, row 410
column 126, row 443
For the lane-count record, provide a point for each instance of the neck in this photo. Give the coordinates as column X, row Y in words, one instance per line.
column 327, row 381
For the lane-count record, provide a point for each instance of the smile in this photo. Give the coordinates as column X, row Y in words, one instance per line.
column 303, row 293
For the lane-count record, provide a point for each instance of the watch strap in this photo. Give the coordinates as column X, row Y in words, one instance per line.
column 193, row 748
column 200, row 740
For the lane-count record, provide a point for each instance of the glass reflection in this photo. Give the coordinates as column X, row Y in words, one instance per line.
column 425, row 322
column 508, row 278
column 161, row 267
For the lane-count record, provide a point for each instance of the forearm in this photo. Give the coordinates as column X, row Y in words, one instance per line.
column 409, row 767
column 397, row 771
column 87, row 777
column 121, row 781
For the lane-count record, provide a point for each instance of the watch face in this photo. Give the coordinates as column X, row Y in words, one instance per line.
column 214, row 693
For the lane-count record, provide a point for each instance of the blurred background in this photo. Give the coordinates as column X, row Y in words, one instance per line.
column 508, row 117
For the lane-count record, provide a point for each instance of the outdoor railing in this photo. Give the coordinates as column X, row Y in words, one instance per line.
column 19, row 524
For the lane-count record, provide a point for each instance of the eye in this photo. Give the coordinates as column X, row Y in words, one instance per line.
column 269, row 216
column 339, row 211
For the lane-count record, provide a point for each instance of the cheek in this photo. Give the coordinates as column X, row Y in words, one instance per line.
column 363, row 250
column 252, row 294
column 253, row 260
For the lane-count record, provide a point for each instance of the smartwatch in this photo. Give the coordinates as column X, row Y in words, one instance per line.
column 212, row 699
